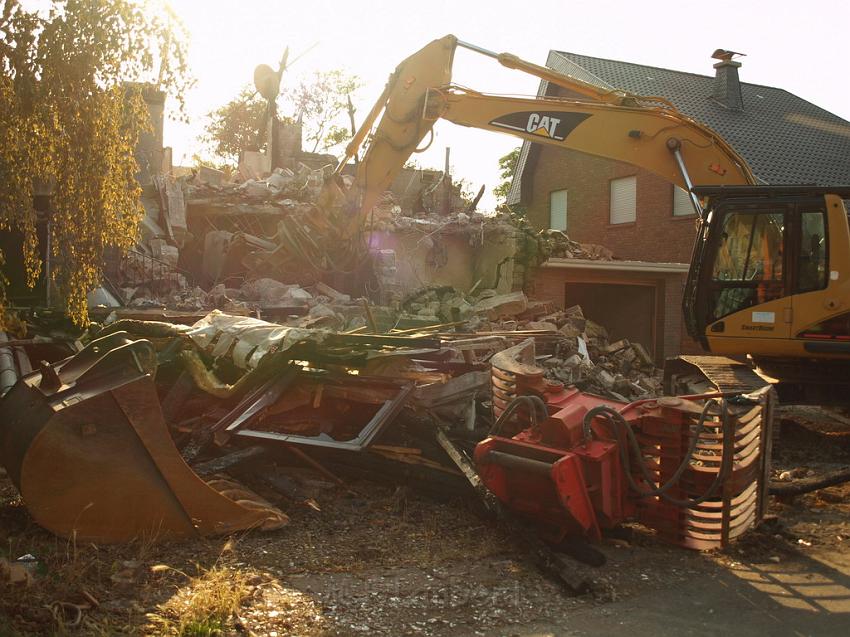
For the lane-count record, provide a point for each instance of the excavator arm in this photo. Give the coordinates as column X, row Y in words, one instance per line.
column 645, row 131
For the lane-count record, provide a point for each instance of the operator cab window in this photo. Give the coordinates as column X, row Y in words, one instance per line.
column 811, row 261
column 748, row 268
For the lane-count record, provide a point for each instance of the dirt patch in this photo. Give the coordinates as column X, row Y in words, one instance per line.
column 380, row 561
column 385, row 560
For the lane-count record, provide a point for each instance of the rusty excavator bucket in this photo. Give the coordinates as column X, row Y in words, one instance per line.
column 87, row 446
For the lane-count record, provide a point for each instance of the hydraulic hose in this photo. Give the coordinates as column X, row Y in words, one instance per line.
column 535, row 404
column 620, row 425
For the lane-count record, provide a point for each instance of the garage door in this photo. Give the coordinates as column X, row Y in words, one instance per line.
column 627, row 311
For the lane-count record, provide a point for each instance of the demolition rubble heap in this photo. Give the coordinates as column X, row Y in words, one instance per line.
column 258, row 328
column 207, row 240
column 266, row 244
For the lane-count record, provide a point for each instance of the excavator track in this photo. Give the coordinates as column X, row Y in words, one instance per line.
column 691, row 374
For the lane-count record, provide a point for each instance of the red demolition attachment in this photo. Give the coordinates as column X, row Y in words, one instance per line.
column 693, row 468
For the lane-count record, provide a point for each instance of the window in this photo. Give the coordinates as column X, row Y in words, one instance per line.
column 682, row 206
column 750, row 248
column 811, row 262
column 558, row 210
column 748, row 265
column 623, row 199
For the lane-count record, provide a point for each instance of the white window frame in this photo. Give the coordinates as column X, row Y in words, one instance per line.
column 682, row 206
column 622, row 207
column 552, row 219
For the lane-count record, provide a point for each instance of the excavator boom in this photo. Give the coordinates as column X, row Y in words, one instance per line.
column 641, row 130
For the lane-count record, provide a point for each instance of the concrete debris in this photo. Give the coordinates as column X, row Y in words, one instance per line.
column 266, row 291
column 557, row 244
column 582, row 356
column 254, row 188
column 503, row 305
column 211, row 176
column 326, row 290
column 253, row 165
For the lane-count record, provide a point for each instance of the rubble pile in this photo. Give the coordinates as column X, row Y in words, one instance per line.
column 282, row 185
column 578, row 351
column 586, row 359
column 211, row 229
column 264, row 241
column 388, row 216
column 557, row 244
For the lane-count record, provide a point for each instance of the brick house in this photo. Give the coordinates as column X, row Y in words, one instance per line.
column 647, row 222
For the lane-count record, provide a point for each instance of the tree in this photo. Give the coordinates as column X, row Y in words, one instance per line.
column 321, row 100
column 507, row 169
column 71, row 111
column 238, row 125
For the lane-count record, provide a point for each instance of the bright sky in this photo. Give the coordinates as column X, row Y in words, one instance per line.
column 798, row 46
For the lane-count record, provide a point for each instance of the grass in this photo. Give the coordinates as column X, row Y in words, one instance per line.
column 213, row 587
column 205, row 606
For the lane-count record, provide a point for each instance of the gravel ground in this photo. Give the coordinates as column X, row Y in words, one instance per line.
column 383, row 560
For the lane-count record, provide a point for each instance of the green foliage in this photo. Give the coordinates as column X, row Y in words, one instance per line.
column 507, row 169
column 322, row 101
column 238, row 125
column 210, row 627
column 71, row 111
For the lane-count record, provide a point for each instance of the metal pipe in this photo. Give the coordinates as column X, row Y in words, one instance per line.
column 675, row 147
column 478, row 49
column 8, row 373
column 510, row 461
column 511, row 61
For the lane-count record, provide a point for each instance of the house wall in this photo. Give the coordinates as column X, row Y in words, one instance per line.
column 457, row 259
column 655, row 235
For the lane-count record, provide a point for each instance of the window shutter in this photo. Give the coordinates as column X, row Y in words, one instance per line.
column 558, row 210
column 682, row 205
column 623, row 199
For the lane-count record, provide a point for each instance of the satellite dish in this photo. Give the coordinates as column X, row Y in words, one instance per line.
column 267, row 81
column 726, row 56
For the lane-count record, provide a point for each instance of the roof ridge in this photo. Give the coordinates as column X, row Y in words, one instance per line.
column 563, row 54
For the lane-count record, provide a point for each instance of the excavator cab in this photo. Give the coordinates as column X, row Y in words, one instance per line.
column 770, row 272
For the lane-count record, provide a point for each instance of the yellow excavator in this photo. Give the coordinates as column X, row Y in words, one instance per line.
column 770, row 273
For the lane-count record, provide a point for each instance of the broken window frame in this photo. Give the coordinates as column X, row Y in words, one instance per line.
column 269, row 392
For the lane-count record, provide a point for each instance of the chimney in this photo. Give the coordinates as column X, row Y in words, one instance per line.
column 727, row 86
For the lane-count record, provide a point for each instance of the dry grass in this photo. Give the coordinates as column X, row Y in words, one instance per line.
column 241, row 585
column 205, row 606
